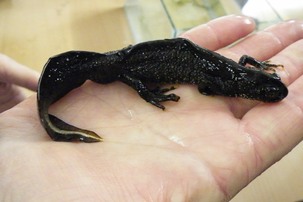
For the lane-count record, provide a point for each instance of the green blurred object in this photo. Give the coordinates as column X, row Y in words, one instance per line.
column 185, row 14
column 158, row 19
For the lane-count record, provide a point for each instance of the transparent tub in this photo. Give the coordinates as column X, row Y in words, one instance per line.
column 158, row 19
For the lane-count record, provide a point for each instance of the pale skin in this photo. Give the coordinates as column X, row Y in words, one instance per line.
column 203, row 148
column 13, row 77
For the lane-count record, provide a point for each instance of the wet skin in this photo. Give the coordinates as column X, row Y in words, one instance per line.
column 169, row 61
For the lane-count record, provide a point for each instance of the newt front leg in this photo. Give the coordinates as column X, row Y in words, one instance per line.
column 262, row 65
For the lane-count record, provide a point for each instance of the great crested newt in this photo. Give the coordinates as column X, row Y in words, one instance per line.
column 168, row 61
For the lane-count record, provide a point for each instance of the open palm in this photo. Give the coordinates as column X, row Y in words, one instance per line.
column 202, row 148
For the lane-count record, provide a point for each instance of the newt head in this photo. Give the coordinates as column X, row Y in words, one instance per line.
column 263, row 87
column 250, row 84
column 272, row 92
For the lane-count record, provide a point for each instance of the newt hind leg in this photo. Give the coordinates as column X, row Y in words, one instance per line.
column 152, row 96
column 159, row 90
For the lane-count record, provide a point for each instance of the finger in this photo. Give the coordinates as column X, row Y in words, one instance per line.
column 18, row 74
column 265, row 44
column 220, row 32
column 10, row 96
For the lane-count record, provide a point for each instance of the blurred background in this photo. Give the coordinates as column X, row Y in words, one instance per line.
column 33, row 30
column 153, row 19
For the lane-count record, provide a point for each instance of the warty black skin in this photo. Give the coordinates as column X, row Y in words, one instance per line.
column 167, row 61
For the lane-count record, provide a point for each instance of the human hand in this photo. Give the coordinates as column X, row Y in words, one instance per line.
column 203, row 148
column 13, row 76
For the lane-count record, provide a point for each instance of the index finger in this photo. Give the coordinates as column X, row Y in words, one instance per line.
column 15, row 73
